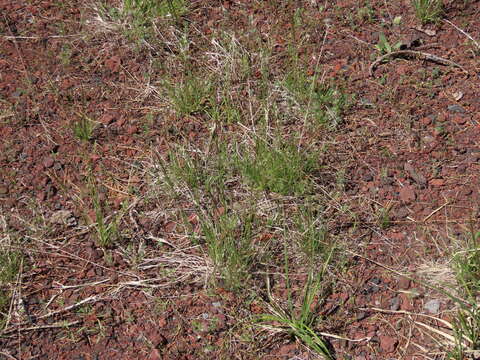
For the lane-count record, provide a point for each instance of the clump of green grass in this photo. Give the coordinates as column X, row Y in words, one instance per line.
column 279, row 167
column 312, row 235
column 144, row 11
column 10, row 263
column 466, row 325
column 463, row 335
column 190, row 96
column 229, row 242
column 106, row 227
column 227, row 235
column 83, row 128
column 137, row 18
column 324, row 103
column 428, row 11
column 300, row 323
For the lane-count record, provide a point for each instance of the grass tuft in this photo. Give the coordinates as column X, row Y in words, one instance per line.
column 428, row 11
column 300, row 323
column 279, row 167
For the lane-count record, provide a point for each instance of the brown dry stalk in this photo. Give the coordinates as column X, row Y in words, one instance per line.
column 412, row 54
column 41, row 327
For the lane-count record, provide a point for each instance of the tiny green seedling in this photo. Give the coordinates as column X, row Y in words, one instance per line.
column 83, row 128
column 384, row 47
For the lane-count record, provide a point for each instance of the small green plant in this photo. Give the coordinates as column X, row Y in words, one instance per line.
column 107, row 229
column 384, row 218
column 279, row 167
column 83, row 128
column 229, row 242
column 366, row 13
column 384, row 47
column 428, row 11
column 137, row 18
column 143, row 11
column 10, row 263
column 228, row 235
column 66, row 54
column 313, row 236
column 192, row 95
column 324, row 103
column 467, row 323
column 300, row 323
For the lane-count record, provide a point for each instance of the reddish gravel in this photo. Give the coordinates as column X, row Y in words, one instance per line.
column 407, row 147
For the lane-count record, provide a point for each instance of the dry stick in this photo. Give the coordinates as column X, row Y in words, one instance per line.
column 435, row 211
column 42, row 327
column 73, row 256
column 53, row 313
column 19, row 53
column 420, row 55
column 463, row 32
column 7, row 355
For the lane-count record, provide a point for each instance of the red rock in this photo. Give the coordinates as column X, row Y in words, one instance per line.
column 113, row 64
column 406, row 303
column 388, row 343
column 460, row 120
column 162, row 322
column 155, row 355
column 426, row 121
column 437, row 182
column 404, row 283
column 407, row 194
column 48, row 162
column 132, row 130
column 107, row 119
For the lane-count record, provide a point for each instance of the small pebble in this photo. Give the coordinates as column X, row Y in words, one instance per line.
column 395, row 303
column 432, row 306
column 456, row 109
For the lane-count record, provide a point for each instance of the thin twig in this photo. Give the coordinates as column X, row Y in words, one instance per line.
column 53, row 313
column 7, row 355
column 42, row 327
column 435, row 211
column 416, row 55
column 463, row 32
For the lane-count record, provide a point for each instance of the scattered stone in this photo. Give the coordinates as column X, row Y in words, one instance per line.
column 406, row 303
column 407, row 194
column 107, row 119
column 113, row 64
column 63, row 217
column 361, row 315
column 432, row 306
column 48, row 162
column 132, row 130
column 388, row 343
column 155, row 355
column 456, row 109
column 437, row 182
column 401, row 213
column 403, row 283
column 426, row 121
column 367, row 177
column 395, row 303
column 3, row 190
column 57, row 166
column 460, row 120
column 217, row 304
column 416, row 176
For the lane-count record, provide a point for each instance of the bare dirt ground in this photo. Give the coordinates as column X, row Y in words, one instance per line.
column 133, row 225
